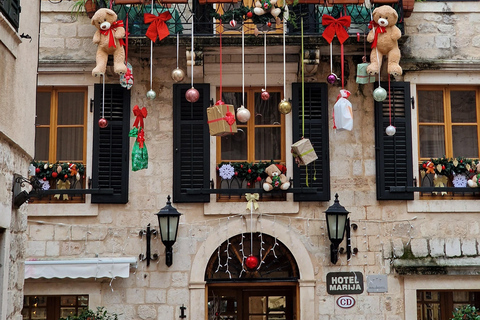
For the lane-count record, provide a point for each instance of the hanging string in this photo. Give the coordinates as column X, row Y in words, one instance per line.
column 265, row 58
column 303, row 84
column 342, row 61
column 191, row 52
column 126, row 40
column 389, row 102
column 103, row 96
column 151, row 56
column 243, row 65
column 284, row 62
column 221, row 94
column 178, row 46
column 331, row 58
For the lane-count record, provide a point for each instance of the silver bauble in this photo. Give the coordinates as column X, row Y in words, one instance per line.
column 390, row 130
column 151, row 94
column 243, row 115
column 284, row 107
column 178, row 75
column 379, row 94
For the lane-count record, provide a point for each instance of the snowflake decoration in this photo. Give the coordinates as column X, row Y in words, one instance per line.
column 459, row 181
column 226, row 171
column 45, row 185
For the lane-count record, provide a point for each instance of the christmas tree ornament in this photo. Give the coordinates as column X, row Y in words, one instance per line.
column 177, row 73
column 251, row 262
column 192, row 95
column 265, row 95
column 243, row 115
column 379, row 94
column 233, row 23
column 151, row 94
column 332, row 78
column 390, row 130
column 285, row 107
column 226, row 171
column 102, row 123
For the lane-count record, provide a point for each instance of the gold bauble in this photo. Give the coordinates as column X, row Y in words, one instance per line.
column 284, row 107
column 178, row 75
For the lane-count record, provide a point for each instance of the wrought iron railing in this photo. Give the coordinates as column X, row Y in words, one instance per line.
column 205, row 23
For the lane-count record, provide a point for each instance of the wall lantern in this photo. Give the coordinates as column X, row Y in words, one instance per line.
column 337, row 223
column 168, row 219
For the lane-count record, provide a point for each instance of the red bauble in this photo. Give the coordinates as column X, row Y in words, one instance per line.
column 248, row 183
column 424, row 165
column 37, row 170
column 192, row 95
column 265, row 95
column 259, row 179
column 251, row 262
column 236, row 173
column 66, row 176
column 443, row 167
column 102, row 123
column 249, row 14
column 44, row 178
column 269, row 24
column 249, row 170
column 54, row 174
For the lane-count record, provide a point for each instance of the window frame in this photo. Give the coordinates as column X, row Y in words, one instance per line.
column 53, row 129
column 447, row 121
column 251, row 126
column 53, row 305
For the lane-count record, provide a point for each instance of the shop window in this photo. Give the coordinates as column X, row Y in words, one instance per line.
column 439, row 305
column 53, row 307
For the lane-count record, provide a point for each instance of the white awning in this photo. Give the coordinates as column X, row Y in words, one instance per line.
column 80, row 268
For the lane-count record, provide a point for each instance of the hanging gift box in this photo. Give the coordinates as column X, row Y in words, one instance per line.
column 221, row 119
column 342, row 112
column 362, row 76
column 303, row 152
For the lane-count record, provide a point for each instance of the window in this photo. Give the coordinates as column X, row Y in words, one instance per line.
column 53, row 307
column 11, row 10
column 439, row 305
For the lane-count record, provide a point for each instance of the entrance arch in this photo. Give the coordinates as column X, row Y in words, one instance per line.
column 306, row 279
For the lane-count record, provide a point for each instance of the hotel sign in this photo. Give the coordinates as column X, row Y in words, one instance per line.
column 344, row 282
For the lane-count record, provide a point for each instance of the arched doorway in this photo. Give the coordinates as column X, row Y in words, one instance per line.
column 265, row 290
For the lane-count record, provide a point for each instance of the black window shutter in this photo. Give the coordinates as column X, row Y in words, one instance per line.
column 394, row 153
column 11, row 9
column 191, row 144
column 316, row 129
column 111, row 144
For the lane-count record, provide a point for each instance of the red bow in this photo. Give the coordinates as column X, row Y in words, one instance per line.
column 141, row 138
column 378, row 29
column 335, row 26
column 157, row 27
column 109, row 32
column 140, row 114
column 229, row 117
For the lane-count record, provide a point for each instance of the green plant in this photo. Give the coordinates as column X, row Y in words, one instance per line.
column 449, row 166
column 87, row 7
column 100, row 314
column 467, row 312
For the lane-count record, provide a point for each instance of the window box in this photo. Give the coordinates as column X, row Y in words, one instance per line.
column 216, row 1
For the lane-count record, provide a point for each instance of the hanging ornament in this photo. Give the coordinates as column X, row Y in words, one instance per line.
column 126, row 80
column 243, row 115
column 102, row 123
column 192, row 95
column 226, row 171
column 284, row 107
column 379, row 94
column 151, row 94
column 335, row 27
column 390, row 130
column 251, row 262
column 332, row 78
column 265, row 95
column 233, row 23
column 177, row 73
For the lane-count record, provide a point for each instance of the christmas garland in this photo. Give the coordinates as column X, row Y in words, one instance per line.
column 449, row 166
column 58, row 171
column 251, row 172
column 242, row 14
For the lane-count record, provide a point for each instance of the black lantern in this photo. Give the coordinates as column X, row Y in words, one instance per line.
column 168, row 219
column 337, row 222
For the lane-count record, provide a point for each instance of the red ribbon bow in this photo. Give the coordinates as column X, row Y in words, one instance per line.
column 335, row 26
column 140, row 114
column 109, row 32
column 141, row 138
column 378, row 29
column 229, row 117
column 157, row 27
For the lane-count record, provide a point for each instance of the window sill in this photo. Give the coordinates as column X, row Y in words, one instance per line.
column 271, row 207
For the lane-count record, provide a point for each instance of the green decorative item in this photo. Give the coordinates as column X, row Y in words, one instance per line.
column 139, row 151
column 466, row 312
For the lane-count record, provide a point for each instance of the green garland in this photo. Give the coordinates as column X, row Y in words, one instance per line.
column 249, row 171
column 47, row 171
column 449, row 166
column 240, row 15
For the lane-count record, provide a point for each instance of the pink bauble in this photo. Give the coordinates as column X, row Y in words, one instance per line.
column 192, row 95
column 102, row 123
column 331, row 78
column 251, row 262
column 265, row 95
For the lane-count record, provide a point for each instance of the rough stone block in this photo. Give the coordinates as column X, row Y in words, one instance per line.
column 469, row 247
column 53, row 249
column 437, row 247
column 442, row 42
column 177, row 296
column 452, row 247
column 135, row 296
column 156, row 296
column 147, row 312
column 419, row 247
column 398, row 249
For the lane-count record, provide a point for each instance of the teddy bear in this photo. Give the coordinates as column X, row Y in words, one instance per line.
column 473, row 181
column 109, row 38
column 265, row 6
column 275, row 179
column 384, row 36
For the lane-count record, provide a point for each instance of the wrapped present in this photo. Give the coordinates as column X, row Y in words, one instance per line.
column 221, row 119
column 362, row 76
column 303, row 152
column 139, row 151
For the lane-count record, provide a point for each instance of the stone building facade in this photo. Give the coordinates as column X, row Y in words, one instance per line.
column 425, row 247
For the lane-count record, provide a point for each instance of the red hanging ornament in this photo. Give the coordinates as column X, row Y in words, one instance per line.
column 54, row 174
column 251, row 262
column 37, row 170
column 44, row 179
column 102, row 123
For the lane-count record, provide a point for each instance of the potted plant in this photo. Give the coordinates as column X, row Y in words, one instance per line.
column 87, row 6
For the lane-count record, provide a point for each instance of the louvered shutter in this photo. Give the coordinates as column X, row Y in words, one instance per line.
column 111, row 144
column 394, row 153
column 191, row 144
column 11, row 9
column 316, row 129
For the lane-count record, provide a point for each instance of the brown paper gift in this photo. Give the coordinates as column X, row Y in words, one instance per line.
column 303, row 152
column 221, row 119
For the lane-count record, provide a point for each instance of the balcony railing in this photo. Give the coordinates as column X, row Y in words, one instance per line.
column 206, row 25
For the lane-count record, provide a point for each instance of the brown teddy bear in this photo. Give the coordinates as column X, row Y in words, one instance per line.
column 109, row 38
column 384, row 36
column 275, row 179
